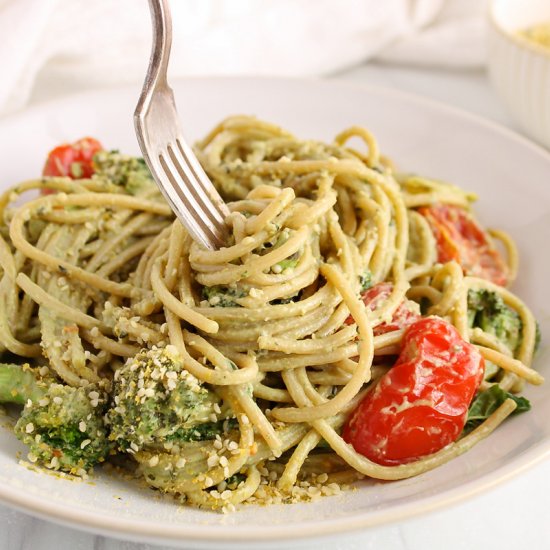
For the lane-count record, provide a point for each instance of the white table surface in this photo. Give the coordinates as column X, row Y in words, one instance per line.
column 513, row 516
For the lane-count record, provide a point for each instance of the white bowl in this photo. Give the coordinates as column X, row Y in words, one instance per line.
column 520, row 68
column 509, row 173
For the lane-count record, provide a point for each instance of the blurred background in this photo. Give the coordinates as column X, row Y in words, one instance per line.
column 49, row 47
column 444, row 49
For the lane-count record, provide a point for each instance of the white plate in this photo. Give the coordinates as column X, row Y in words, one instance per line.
column 511, row 177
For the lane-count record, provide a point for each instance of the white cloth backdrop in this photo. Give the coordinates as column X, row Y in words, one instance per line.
column 105, row 42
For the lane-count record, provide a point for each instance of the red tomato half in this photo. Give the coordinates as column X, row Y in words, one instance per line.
column 459, row 237
column 73, row 160
column 421, row 404
column 403, row 316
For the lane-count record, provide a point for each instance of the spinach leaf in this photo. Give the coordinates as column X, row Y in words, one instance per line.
column 487, row 402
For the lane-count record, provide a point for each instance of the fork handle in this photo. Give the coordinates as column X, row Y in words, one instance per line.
column 160, row 55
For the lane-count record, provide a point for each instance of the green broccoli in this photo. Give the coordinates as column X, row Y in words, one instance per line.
column 128, row 172
column 223, row 296
column 154, row 398
column 487, row 310
column 275, row 242
column 62, row 425
column 204, row 432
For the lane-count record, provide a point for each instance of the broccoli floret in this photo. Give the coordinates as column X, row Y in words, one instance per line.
column 154, row 397
column 487, row 310
column 204, row 432
column 128, row 172
column 268, row 246
column 222, row 296
column 62, row 426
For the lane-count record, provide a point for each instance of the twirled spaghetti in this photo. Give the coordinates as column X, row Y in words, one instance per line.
column 99, row 270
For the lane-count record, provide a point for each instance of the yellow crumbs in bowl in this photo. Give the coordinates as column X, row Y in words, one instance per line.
column 539, row 34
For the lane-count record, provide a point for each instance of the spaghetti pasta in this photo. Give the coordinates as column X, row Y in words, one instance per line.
column 273, row 324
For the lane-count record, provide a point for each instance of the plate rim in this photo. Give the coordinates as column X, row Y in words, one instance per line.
column 335, row 82
column 133, row 529
column 196, row 533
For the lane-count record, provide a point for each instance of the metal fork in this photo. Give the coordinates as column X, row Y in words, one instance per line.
column 171, row 160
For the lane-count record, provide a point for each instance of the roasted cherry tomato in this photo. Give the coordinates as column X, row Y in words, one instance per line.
column 459, row 237
column 73, row 160
column 421, row 404
column 404, row 315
